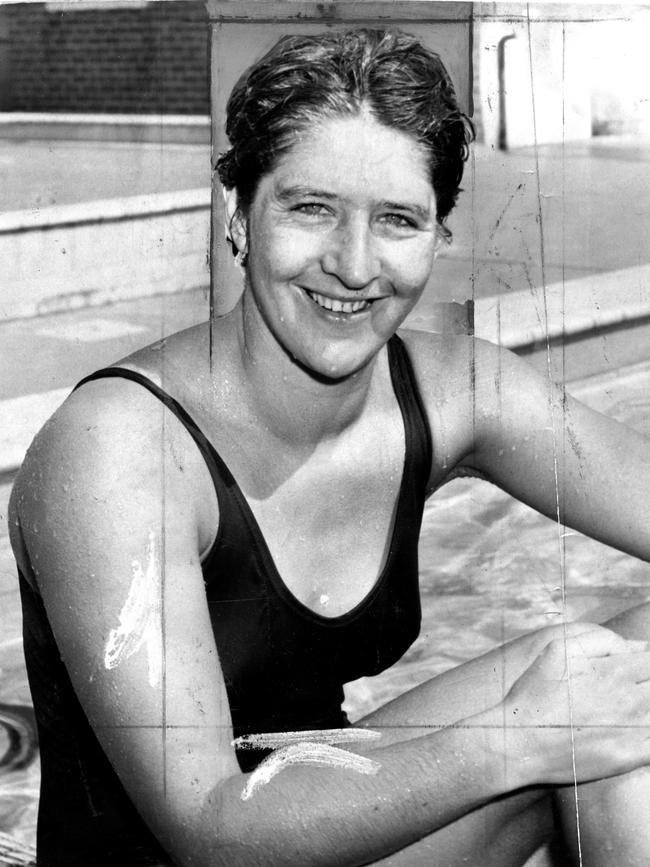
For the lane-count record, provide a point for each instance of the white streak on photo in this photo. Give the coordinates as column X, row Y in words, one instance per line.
column 140, row 620
column 306, row 754
column 275, row 740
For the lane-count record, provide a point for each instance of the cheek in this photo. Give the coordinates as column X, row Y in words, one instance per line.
column 281, row 253
column 412, row 267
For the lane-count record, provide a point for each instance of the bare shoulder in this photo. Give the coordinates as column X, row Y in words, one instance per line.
column 444, row 368
column 107, row 458
column 473, row 391
column 469, row 371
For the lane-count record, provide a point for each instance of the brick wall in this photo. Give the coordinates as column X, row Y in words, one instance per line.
column 149, row 59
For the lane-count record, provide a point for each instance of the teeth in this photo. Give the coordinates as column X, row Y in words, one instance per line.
column 338, row 306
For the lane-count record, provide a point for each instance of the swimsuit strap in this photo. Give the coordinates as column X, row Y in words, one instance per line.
column 419, row 444
column 416, row 425
column 218, row 469
column 402, row 376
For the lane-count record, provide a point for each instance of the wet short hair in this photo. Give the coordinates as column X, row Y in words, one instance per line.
column 303, row 79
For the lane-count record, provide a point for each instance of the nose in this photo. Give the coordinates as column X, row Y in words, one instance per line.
column 351, row 255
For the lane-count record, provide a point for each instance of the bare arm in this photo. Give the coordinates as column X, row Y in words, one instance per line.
column 113, row 527
column 495, row 414
column 561, row 457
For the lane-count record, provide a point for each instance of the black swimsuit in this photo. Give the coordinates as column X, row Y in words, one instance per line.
column 283, row 664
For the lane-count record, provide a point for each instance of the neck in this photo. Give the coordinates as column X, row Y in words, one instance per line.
column 290, row 401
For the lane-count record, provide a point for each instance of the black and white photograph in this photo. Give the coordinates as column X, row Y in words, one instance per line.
column 324, row 433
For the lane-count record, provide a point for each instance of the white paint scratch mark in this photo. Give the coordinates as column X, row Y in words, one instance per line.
column 275, row 740
column 306, row 754
column 140, row 619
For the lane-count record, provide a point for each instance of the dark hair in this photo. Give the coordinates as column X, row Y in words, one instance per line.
column 304, row 78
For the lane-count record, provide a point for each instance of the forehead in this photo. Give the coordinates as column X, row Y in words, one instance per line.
column 351, row 156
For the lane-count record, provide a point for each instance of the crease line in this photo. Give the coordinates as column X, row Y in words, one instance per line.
column 561, row 546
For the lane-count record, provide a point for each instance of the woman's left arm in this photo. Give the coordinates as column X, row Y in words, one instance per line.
column 557, row 455
column 491, row 413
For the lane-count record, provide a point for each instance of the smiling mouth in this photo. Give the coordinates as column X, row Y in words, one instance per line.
column 336, row 306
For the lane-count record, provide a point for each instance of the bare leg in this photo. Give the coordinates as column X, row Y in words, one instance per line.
column 506, row 832
column 613, row 814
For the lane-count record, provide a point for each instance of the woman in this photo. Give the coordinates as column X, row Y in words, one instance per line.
column 189, row 608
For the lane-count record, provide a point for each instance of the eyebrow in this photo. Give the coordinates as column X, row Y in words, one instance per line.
column 423, row 213
column 284, row 194
column 298, row 191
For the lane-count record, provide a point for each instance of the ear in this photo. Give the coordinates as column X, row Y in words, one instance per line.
column 236, row 230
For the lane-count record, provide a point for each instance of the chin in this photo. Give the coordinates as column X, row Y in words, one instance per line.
column 335, row 367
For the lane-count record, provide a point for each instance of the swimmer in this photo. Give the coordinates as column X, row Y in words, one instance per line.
column 213, row 536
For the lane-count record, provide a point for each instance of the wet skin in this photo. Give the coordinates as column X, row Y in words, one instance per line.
column 343, row 241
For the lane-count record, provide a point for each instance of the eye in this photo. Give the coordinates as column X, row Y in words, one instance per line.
column 398, row 221
column 311, row 209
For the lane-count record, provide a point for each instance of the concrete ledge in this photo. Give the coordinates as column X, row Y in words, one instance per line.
column 168, row 128
column 105, row 210
column 92, row 253
column 524, row 319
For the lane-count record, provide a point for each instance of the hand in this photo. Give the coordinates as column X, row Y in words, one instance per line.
column 584, row 706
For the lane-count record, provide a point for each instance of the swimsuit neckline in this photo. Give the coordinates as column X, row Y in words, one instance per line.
column 268, row 562
column 222, row 475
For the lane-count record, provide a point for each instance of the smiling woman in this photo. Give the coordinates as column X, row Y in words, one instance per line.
column 216, row 534
column 341, row 238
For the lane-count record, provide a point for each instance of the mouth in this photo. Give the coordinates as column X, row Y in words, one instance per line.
column 334, row 305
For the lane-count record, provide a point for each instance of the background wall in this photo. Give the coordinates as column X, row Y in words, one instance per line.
column 151, row 58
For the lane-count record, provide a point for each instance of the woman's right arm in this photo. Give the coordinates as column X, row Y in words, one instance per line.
column 108, row 511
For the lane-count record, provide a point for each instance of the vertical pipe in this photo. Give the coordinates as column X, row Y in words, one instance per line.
column 501, row 64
